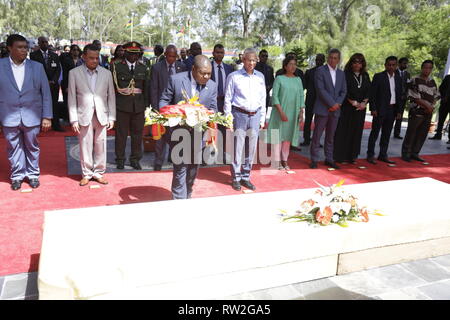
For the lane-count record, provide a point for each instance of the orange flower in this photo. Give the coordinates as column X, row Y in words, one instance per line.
column 325, row 216
column 364, row 214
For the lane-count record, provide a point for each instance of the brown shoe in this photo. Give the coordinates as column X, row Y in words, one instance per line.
column 84, row 182
column 101, row 180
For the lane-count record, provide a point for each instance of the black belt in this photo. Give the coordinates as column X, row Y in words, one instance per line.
column 244, row 111
column 392, row 105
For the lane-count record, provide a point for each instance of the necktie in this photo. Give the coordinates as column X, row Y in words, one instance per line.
column 170, row 69
column 45, row 57
column 132, row 69
column 199, row 88
column 220, row 82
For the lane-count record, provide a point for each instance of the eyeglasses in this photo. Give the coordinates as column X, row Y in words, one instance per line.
column 357, row 61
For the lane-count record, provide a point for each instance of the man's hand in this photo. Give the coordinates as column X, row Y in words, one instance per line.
column 76, row 127
column 46, row 124
column 262, row 126
column 374, row 114
column 361, row 106
column 110, row 125
column 399, row 116
column 334, row 108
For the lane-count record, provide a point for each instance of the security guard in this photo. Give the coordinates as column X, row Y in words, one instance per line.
column 131, row 80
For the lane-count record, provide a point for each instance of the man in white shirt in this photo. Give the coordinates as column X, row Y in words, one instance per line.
column 384, row 104
column 245, row 99
column 26, row 107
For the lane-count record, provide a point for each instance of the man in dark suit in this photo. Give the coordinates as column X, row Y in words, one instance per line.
column 384, row 103
column 267, row 71
column 52, row 66
column 219, row 74
column 194, row 50
column 405, row 76
column 444, row 108
column 331, row 89
column 310, row 99
column 132, row 98
column 26, row 107
column 195, row 82
column 103, row 58
column 159, row 79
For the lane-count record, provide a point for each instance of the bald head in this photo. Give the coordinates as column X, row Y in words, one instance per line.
column 201, row 69
column 43, row 43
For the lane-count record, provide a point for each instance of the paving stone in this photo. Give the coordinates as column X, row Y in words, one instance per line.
column 427, row 270
column 437, row 291
column 443, row 261
column 325, row 289
column 279, row 293
column 395, row 277
column 361, row 283
column 20, row 286
column 2, row 281
column 404, row 294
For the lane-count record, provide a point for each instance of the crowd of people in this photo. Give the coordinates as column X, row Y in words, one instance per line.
column 101, row 94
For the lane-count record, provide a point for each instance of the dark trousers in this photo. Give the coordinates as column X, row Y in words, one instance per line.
column 309, row 114
column 321, row 124
column 383, row 123
column 398, row 122
column 444, row 110
column 54, row 90
column 133, row 123
column 64, row 113
column 416, row 134
column 183, row 180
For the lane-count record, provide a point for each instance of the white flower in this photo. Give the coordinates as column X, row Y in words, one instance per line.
column 335, row 218
column 173, row 121
column 346, row 207
column 336, row 206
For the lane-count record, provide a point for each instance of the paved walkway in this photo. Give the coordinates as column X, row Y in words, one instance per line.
column 426, row 279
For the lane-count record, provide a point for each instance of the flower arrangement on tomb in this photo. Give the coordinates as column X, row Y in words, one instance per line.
column 188, row 112
column 331, row 205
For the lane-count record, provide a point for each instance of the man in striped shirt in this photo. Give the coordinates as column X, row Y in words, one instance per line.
column 423, row 94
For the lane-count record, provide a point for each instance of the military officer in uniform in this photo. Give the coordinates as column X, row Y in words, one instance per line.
column 132, row 98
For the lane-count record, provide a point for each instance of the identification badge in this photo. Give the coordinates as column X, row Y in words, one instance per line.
column 54, row 65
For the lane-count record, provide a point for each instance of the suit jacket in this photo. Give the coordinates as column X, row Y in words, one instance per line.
column 67, row 64
column 327, row 94
column 82, row 101
column 380, row 94
column 267, row 71
column 52, row 67
column 310, row 87
column 405, row 79
column 182, row 81
column 228, row 69
column 159, row 79
column 444, row 90
column 29, row 105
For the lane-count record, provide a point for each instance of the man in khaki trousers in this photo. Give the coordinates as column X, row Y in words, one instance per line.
column 92, row 111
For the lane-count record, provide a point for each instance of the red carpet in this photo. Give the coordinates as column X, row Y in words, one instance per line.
column 21, row 214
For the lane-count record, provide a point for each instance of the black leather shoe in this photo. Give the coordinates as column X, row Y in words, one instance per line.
column 398, row 137
column 405, row 158
column 135, row 165
column 313, row 165
column 158, row 167
column 236, row 185
column 386, row 160
column 16, row 185
column 371, row 160
column 248, row 185
column 34, row 183
column 120, row 164
column 305, row 143
column 436, row 137
column 417, row 158
column 448, row 142
column 58, row 128
column 332, row 165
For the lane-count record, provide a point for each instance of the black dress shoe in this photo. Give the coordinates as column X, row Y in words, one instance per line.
column 305, row 143
column 16, row 185
column 313, row 165
column 417, row 158
column 157, row 167
column 405, row 158
column 120, row 164
column 34, row 183
column 386, row 160
column 332, row 165
column 236, row 185
column 135, row 165
column 398, row 137
column 436, row 137
column 58, row 128
column 448, row 142
column 248, row 185
column 371, row 160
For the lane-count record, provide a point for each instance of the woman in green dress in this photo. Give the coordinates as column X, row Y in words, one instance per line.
column 287, row 112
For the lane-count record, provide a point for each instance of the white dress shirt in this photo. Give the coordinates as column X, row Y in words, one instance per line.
column 246, row 91
column 194, row 91
column 333, row 74
column 216, row 74
column 392, row 86
column 131, row 64
column 18, row 72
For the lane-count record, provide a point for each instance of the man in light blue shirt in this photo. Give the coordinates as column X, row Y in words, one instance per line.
column 245, row 99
